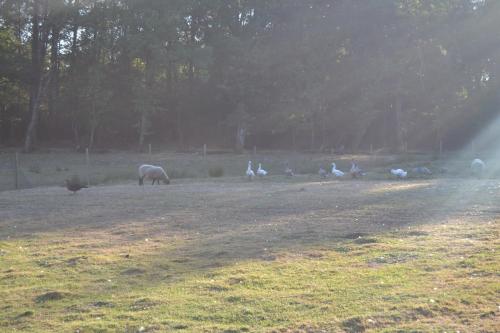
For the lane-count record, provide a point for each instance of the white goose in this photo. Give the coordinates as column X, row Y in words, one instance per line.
column 261, row 172
column 250, row 173
column 477, row 167
column 400, row 173
column 335, row 172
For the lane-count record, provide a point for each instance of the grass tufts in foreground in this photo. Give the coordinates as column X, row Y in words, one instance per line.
column 432, row 278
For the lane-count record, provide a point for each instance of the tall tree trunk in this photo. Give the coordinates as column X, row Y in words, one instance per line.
column 145, row 121
column 38, row 47
column 74, row 93
column 323, row 128
column 177, row 110
column 241, row 133
column 94, row 122
column 36, row 77
column 5, row 124
column 143, row 128
column 53, row 94
column 179, row 125
column 313, row 132
column 398, row 105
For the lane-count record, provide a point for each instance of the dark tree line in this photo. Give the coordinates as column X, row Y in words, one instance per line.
column 301, row 74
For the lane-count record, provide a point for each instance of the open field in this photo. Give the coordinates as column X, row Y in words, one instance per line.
column 51, row 167
column 274, row 255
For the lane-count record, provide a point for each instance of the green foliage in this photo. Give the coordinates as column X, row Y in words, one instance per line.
column 309, row 74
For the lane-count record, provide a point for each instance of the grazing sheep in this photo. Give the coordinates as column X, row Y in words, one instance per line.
column 156, row 173
column 477, row 167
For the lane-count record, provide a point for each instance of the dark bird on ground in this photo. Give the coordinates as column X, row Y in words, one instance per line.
column 355, row 170
column 422, row 171
column 288, row 170
column 74, row 185
column 322, row 173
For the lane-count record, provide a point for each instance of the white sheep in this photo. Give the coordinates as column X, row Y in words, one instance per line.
column 152, row 172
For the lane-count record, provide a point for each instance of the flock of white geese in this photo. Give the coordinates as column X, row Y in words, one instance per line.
column 477, row 168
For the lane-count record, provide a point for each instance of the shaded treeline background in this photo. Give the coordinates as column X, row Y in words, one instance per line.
column 297, row 74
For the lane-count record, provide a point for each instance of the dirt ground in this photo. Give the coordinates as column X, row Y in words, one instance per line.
column 253, row 216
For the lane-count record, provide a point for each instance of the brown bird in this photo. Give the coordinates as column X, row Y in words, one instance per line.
column 74, row 184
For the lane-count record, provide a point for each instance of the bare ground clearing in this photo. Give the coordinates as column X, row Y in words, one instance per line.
column 322, row 210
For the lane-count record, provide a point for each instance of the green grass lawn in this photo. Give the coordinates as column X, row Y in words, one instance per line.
column 434, row 279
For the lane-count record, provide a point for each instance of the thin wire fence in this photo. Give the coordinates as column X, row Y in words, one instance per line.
column 51, row 168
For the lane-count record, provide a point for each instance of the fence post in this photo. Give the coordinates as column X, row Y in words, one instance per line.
column 255, row 150
column 149, row 151
column 204, row 150
column 440, row 148
column 87, row 162
column 16, row 173
column 371, row 148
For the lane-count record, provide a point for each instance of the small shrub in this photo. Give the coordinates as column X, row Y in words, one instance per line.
column 216, row 172
column 35, row 168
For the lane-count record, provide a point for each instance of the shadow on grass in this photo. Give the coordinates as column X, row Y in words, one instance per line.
column 215, row 224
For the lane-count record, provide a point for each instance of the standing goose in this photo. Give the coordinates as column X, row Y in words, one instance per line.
column 261, row 172
column 250, row 173
column 335, row 172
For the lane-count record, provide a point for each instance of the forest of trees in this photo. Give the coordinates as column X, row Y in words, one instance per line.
column 292, row 74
